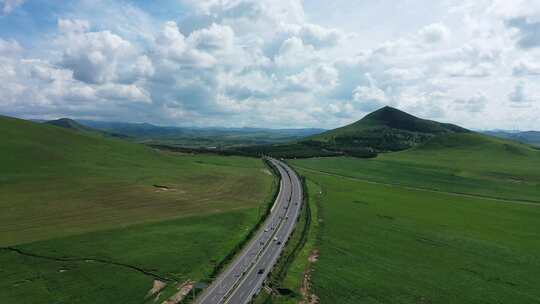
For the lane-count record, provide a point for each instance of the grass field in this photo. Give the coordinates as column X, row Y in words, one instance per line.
column 459, row 163
column 94, row 219
column 55, row 182
column 393, row 242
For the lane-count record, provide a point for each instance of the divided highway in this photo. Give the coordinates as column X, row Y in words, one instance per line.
column 244, row 277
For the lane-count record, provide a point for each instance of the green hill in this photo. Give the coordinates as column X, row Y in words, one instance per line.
column 82, row 212
column 385, row 130
column 75, row 126
column 56, row 181
column 70, row 124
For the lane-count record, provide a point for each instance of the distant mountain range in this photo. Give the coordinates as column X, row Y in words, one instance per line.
column 385, row 130
column 214, row 137
column 527, row 137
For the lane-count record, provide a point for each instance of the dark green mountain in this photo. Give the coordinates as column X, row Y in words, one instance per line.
column 385, row 130
column 73, row 125
column 70, row 124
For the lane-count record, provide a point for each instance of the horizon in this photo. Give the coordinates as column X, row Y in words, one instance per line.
column 271, row 64
column 81, row 120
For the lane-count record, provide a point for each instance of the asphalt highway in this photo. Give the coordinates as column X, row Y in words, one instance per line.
column 244, row 277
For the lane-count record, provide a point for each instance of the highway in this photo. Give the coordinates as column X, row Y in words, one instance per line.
column 245, row 275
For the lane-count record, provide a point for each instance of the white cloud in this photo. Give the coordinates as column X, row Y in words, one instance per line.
column 226, row 62
column 526, row 67
column 73, row 25
column 129, row 93
column 9, row 47
column 319, row 36
column 434, row 33
column 519, row 95
column 474, row 104
column 93, row 56
column 318, row 78
column 293, row 52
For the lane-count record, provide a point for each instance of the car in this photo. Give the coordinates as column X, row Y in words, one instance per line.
column 261, row 271
column 275, row 239
column 266, row 230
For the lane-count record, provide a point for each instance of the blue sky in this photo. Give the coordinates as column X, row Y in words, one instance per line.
column 271, row 63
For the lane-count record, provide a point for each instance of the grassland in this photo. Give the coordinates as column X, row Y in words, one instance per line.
column 385, row 239
column 87, row 219
column 55, row 182
column 99, row 267
column 458, row 163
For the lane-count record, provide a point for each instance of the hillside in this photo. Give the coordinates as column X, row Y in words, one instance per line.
column 70, row 124
column 385, row 130
column 106, row 182
column 100, row 208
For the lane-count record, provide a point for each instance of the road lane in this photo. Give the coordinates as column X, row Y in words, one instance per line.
column 244, row 276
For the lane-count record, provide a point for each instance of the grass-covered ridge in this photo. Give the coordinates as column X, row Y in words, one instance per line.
column 58, row 182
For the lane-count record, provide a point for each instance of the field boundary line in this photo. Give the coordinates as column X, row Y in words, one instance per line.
column 80, row 260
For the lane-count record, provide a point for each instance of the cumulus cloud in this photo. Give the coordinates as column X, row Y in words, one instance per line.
column 9, row 47
column 434, row 33
column 319, row 36
column 369, row 98
column 226, row 62
column 519, row 95
column 319, row 78
column 92, row 56
column 526, row 68
column 473, row 104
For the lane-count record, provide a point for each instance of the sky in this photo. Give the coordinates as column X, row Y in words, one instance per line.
column 271, row 63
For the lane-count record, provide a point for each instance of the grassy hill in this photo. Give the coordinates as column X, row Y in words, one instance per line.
column 453, row 220
column 75, row 126
column 387, row 129
column 81, row 212
column 70, row 124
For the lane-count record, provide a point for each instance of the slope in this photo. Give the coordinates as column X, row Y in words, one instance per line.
column 89, row 219
column 57, row 182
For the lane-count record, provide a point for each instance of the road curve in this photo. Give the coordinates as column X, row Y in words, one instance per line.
column 244, row 277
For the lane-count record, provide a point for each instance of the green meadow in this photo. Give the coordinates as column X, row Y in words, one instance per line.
column 88, row 219
column 453, row 221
